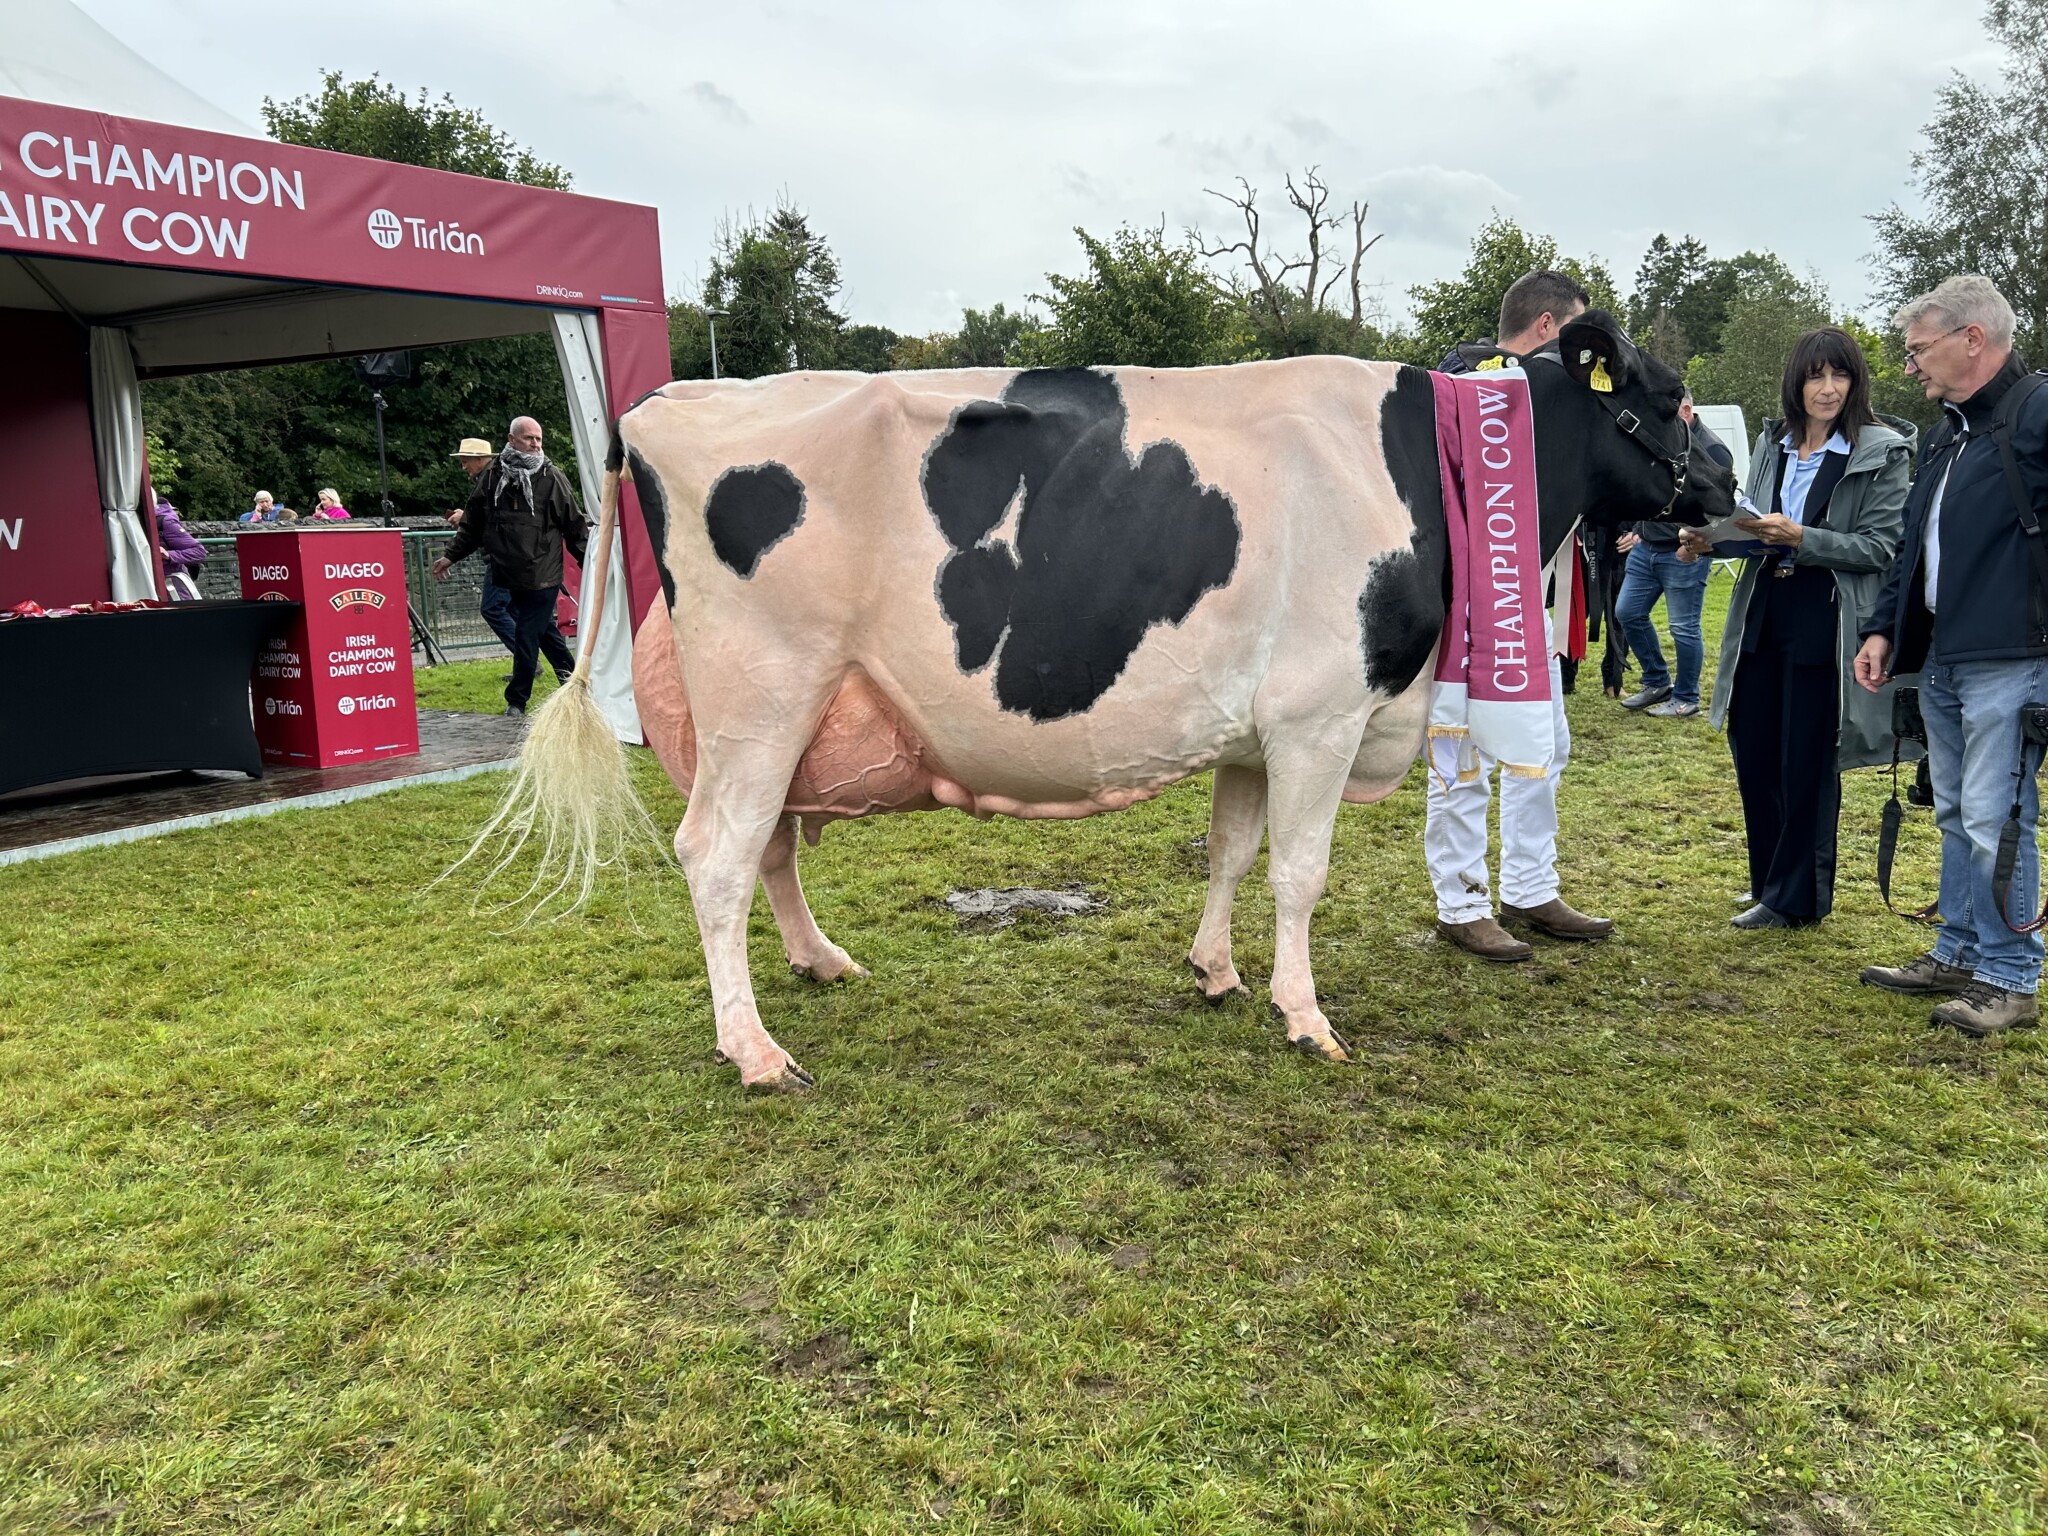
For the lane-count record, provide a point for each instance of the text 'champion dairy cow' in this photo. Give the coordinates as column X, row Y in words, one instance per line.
column 1051, row 593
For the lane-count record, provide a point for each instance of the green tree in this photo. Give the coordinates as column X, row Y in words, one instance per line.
column 689, row 340
column 776, row 279
column 994, row 337
column 292, row 429
column 935, row 349
column 866, row 348
column 1467, row 307
column 1680, row 300
column 1141, row 302
column 1982, row 177
column 165, row 467
column 1892, row 391
column 1769, row 310
column 369, row 117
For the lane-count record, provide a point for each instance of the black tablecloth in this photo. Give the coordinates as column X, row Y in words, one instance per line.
column 146, row 692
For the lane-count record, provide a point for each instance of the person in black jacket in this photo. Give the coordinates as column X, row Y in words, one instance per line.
column 1964, row 596
column 521, row 514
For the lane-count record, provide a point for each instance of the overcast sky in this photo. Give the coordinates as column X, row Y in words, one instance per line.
column 947, row 150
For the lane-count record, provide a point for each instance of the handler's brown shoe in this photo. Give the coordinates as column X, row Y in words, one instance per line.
column 1560, row 921
column 1923, row 977
column 1983, row 1009
column 1486, row 939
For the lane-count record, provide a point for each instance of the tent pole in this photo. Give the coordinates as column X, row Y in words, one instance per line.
column 422, row 637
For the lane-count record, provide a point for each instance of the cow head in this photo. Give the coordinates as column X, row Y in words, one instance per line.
column 1638, row 457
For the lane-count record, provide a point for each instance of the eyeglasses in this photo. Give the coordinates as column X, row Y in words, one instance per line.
column 1914, row 354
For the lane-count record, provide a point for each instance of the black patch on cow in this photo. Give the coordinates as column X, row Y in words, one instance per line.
column 1401, row 610
column 654, row 508
column 1107, row 545
column 751, row 509
column 615, row 455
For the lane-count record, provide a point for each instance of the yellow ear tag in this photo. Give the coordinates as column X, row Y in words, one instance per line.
column 1490, row 365
column 1599, row 380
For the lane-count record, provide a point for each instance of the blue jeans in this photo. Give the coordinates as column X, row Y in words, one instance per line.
column 1682, row 584
column 1972, row 709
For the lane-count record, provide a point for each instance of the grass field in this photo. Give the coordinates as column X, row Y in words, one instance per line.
column 331, row 1206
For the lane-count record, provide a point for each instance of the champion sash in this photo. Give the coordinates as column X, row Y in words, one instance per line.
column 1492, row 688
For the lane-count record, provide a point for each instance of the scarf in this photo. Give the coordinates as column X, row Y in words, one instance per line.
column 1492, row 686
column 519, row 470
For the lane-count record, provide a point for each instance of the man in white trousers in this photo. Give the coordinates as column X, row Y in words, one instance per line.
column 1535, row 308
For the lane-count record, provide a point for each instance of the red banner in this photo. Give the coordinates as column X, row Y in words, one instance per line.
column 337, row 688
column 83, row 184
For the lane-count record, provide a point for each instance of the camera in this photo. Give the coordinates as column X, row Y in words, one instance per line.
column 2034, row 724
column 1907, row 723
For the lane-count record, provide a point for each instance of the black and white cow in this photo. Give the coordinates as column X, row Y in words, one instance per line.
column 1051, row 593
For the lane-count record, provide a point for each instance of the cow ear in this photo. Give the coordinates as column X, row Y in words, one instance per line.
column 1595, row 352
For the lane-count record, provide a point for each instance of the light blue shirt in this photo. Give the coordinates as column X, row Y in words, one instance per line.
column 1801, row 473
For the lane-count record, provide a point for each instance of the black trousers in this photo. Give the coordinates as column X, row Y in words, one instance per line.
column 534, row 631
column 1781, row 729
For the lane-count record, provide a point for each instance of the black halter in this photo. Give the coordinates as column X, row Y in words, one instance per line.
column 1678, row 463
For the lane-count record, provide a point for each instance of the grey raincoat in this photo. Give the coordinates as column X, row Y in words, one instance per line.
column 1856, row 540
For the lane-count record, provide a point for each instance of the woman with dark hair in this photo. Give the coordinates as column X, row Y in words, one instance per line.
column 1834, row 480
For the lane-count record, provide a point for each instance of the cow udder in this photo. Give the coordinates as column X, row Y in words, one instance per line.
column 862, row 760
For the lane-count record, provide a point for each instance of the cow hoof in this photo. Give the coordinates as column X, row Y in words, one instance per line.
column 1217, row 999
column 788, row 1078
column 1330, row 1047
column 791, row 1079
column 853, row 970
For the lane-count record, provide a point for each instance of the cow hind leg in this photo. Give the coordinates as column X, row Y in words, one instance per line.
column 810, row 952
column 735, row 807
column 1237, row 820
column 1306, row 784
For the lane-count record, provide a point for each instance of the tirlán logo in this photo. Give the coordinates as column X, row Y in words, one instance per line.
column 358, row 598
column 345, row 704
column 385, row 228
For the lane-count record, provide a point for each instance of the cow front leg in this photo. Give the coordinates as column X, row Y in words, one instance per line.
column 1305, row 789
column 733, row 811
column 1237, row 819
column 810, row 952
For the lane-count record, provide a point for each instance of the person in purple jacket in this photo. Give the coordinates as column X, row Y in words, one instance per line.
column 183, row 554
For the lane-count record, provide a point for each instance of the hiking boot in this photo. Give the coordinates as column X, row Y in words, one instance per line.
column 1643, row 698
column 1487, row 939
column 1671, row 709
column 1924, row 977
column 515, row 710
column 1560, row 921
column 1982, row 1009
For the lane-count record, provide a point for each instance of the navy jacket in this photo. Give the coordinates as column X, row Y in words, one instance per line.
column 1989, row 605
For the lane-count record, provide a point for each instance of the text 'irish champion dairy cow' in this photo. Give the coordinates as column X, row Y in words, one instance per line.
column 1051, row 593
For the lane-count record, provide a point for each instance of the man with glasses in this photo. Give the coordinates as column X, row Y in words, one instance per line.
column 1966, row 600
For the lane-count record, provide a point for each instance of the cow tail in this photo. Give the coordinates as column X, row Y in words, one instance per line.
column 572, row 793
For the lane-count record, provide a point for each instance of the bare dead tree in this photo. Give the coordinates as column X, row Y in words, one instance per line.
column 1359, row 246
column 1292, row 285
